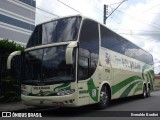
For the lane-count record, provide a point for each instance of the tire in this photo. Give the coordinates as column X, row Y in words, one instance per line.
column 104, row 98
column 144, row 94
column 148, row 92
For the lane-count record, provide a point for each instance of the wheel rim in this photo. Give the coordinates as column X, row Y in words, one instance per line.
column 148, row 93
column 103, row 97
column 145, row 93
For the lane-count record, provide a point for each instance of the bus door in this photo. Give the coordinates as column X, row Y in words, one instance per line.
column 83, row 77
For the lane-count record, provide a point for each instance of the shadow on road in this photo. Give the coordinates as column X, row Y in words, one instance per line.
column 124, row 100
column 87, row 111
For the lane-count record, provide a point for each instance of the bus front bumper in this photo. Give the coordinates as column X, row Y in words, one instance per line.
column 56, row 101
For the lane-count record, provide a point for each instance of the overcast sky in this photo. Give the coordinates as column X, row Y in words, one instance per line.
column 137, row 20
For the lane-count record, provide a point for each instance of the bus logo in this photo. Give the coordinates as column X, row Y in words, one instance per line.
column 107, row 58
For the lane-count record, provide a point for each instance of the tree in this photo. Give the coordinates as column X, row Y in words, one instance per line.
column 8, row 86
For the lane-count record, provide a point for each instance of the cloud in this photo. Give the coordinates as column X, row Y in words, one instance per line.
column 56, row 7
column 137, row 20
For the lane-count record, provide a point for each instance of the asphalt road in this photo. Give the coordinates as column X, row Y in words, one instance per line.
column 121, row 109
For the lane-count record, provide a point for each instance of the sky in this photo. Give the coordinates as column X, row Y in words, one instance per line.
column 136, row 20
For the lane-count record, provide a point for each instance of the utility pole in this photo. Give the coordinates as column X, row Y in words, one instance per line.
column 106, row 11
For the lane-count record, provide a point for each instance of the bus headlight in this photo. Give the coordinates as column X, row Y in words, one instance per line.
column 24, row 92
column 65, row 92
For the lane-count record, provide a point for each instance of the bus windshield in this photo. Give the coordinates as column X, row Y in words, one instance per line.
column 47, row 65
column 60, row 30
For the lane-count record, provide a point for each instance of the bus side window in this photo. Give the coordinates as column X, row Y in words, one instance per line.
column 89, row 44
column 83, row 68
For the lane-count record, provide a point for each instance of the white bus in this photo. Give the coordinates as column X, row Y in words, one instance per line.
column 75, row 61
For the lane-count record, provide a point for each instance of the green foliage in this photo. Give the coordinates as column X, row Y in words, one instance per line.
column 10, row 86
column 10, row 94
column 1, row 98
column 7, row 80
column 9, row 46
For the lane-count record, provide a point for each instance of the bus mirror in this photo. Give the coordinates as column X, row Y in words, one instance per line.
column 10, row 58
column 69, row 53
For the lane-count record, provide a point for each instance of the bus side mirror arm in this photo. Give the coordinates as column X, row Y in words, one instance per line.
column 69, row 53
column 10, row 58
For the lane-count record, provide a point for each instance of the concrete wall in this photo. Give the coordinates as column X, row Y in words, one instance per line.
column 157, row 83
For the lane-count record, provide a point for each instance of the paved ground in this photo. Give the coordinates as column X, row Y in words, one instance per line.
column 15, row 106
column 119, row 109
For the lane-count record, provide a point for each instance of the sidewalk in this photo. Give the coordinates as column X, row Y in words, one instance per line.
column 14, row 106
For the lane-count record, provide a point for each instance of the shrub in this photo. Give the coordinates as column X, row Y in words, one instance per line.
column 7, row 83
column 9, row 46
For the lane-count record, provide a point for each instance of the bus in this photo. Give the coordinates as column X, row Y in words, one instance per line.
column 75, row 61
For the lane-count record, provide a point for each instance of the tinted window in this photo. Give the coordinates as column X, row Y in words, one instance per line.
column 84, row 63
column 47, row 65
column 54, row 64
column 111, row 41
column 88, row 48
column 36, row 37
column 138, row 53
column 32, row 65
column 118, row 44
column 61, row 30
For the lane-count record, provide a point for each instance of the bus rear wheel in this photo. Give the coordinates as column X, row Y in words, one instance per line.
column 104, row 98
column 144, row 94
column 148, row 92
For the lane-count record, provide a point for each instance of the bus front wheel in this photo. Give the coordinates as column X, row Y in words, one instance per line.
column 104, row 98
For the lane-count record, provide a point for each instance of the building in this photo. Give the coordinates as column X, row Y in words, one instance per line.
column 17, row 19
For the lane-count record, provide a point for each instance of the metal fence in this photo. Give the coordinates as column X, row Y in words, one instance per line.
column 10, row 88
column 3, row 73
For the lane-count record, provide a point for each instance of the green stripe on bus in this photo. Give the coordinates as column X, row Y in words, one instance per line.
column 151, row 80
column 145, row 67
column 147, row 77
column 128, row 89
column 138, row 88
column 93, row 91
column 152, row 72
column 120, row 85
column 65, row 86
column 152, row 75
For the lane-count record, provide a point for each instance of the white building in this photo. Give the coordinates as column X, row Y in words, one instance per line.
column 17, row 19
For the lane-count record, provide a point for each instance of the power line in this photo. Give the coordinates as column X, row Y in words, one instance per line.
column 115, row 8
column 114, row 18
column 47, row 11
column 95, row 6
column 68, row 6
column 106, row 10
column 142, row 21
column 42, row 15
column 149, row 9
column 146, row 11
